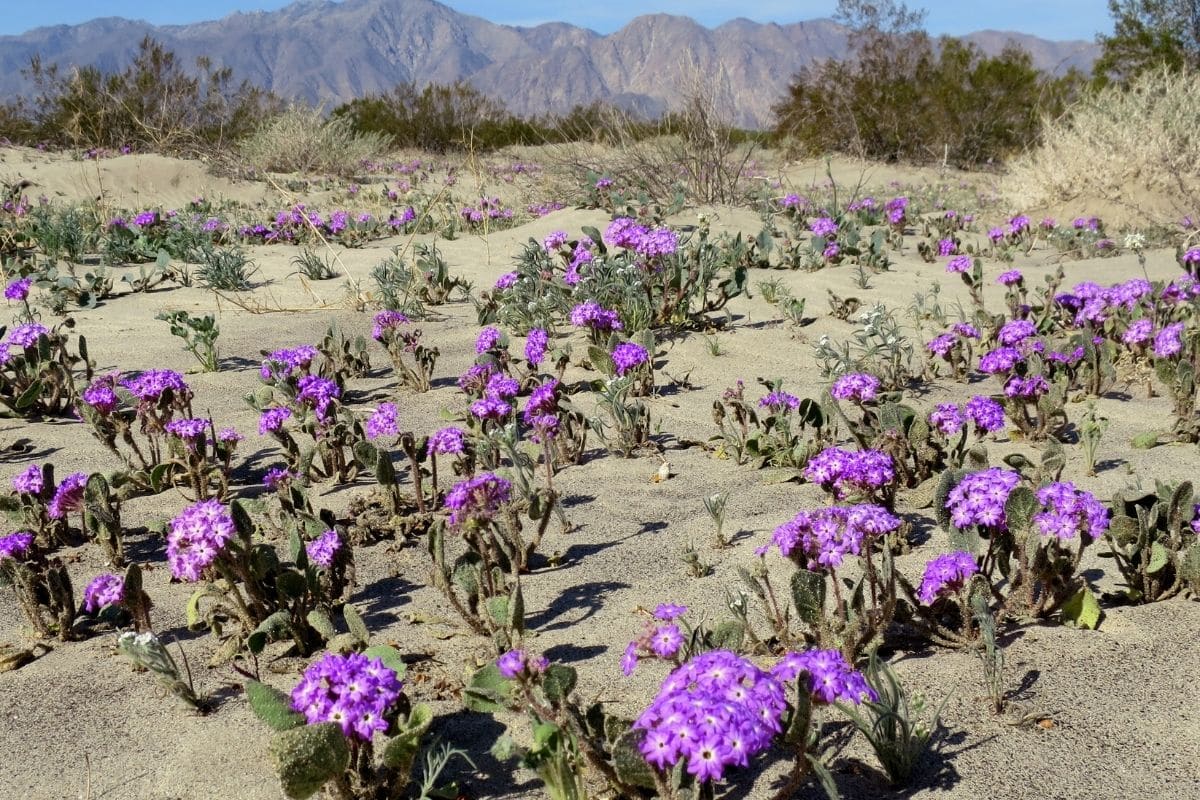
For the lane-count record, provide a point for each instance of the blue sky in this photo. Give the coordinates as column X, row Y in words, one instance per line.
column 1053, row 19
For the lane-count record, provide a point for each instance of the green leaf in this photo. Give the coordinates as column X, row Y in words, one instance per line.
column 273, row 628
column 390, row 656
column 808, row 593
column 321, row 623
column 402, row 750
column 272, row 706
column 1019, row 509
column 488, row 691
column 558, row 682
column 1159, row 558
column 291, row 584
column 1145, row 441
column 354, row 622
column 1082, row 610
column 29, row 396
column 308, row 757
column 1189, row 567
column 628, row 761
column 729, row 635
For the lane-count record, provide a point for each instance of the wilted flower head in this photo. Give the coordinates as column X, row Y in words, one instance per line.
column 104, row 590
column 28, row 482
column 477, row 499
column 197, row 536
column 16, row 545
column 68, row 496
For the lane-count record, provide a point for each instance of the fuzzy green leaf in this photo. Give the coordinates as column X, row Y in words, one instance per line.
column 1082, row 610
column 488, row 691
column 628, row 761
column 558, row 682
column 272, row 706
column 354, row 622
column 390, row 656
column 808, row 593
column 308, row 757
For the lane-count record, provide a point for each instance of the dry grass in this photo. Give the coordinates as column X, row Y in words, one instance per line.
column 304, row 140
column 1136, row 148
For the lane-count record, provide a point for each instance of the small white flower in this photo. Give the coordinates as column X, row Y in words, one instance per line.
column 1134, row 241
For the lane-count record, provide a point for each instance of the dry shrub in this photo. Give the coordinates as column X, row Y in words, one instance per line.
column 304, row 140
column 693, row 148
column 1134, row 148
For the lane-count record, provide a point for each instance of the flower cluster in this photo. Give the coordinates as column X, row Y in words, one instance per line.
column 30, row 481
column 1070, row 512
column 280, row 364
column 979, row 499
column 26, row 335
column 856, row 386
column 322, row 550
column 628, row 355
column 779, row 401
column 383, row 422
column 15, row 545
column 487, row 340
column 354, row 691
column 196, row 538
column 319, row 393
column 945, row 575
column 104, row 590
column 150, row 385
column 714, row 712
column 515, row 663
column 590, row 314
column 823, row 538
column 626, row 232
column 18, row 289
column 68, row 496
column 446, row 441
column 385, row 322
column 831, row 679
column 272, row 419
column 477, row 499
column 849, row 472
column 535, row 346
column 660, row 638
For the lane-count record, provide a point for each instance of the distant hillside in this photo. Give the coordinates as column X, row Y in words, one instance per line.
column 328, row 52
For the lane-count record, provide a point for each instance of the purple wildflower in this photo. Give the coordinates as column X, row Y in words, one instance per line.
column 16, row 545
column 197, row 537
column 28, row 482
column 477, row 499
column 68, row 496
column 322, row 550
column 104, row 590
column 945, row 575
column 627, row 356
column 352, row 690
column 383, row 422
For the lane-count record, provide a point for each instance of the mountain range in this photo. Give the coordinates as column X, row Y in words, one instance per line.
column 329, row 52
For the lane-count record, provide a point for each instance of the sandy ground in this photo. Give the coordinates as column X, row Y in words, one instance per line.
column 79, row 723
